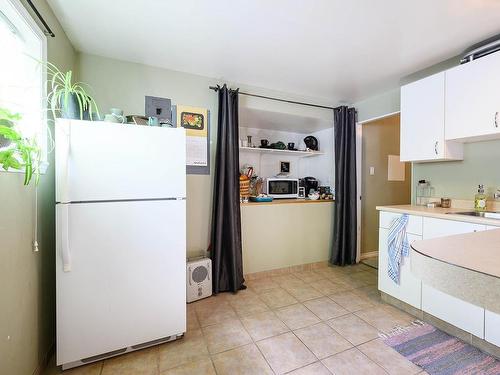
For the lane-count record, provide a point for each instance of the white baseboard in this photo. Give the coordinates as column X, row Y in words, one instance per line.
column 369, row 254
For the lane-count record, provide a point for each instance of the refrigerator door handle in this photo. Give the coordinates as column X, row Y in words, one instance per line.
column 65, row 251
column 63, row 136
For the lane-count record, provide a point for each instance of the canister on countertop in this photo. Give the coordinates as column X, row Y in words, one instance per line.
column 424, row 192
column 445, row 202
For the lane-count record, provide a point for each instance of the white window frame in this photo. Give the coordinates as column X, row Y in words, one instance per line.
column 43, row 131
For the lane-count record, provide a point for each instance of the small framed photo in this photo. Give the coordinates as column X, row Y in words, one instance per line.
column 284, row 166
column 190, row 120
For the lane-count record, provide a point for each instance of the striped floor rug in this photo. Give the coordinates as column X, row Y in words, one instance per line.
column 439, row 353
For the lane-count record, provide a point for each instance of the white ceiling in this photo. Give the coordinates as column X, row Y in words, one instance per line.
column 341, row 51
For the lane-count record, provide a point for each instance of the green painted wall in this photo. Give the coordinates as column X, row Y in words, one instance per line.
column 27, row 279
column 380, row 105
column 452, row 179
column 124, row 84
column 460, row 179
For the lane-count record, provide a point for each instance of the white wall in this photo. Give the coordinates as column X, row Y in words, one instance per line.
column 323, row 166
column 268, row 165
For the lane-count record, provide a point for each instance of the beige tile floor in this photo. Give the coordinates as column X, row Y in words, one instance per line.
column 318, row 322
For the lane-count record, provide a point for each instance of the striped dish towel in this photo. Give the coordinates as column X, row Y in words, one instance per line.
column 398, row 246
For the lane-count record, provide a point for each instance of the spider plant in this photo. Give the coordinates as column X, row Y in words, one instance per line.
column 64, row 93
column 22, row 152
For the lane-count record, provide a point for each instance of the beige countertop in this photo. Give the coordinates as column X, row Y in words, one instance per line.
column 288, row 201
column 440, row 213
column 479, row 251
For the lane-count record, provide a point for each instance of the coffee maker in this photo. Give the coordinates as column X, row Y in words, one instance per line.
column 309, row 183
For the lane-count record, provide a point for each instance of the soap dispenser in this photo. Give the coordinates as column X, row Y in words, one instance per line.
column 480, row 199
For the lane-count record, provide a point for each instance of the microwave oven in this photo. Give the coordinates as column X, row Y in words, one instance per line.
column 282, row 187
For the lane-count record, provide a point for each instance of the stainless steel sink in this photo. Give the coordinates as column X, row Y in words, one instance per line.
column 485, row 214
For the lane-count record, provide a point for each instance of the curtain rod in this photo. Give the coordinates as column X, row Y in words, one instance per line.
column 47, row 30
column 215, row 88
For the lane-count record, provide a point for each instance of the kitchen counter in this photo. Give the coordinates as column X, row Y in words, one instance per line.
column 466, row 266
column 281, row 235
column 288, row 201
column 452, row 277
column 439, row 213
column 478, row 251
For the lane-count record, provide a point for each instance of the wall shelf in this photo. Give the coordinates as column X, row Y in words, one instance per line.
column 301, row 154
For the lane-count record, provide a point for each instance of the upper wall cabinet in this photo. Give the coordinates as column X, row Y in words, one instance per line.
column 473, row 100
column 423, row 122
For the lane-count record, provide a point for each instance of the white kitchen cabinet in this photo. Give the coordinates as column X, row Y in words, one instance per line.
column 472, row 108
column 423, row 122
column 461, row 314
column 490, row 227
column 433, row 227
column 414, row 225
column 409, row 288
column 492, row 327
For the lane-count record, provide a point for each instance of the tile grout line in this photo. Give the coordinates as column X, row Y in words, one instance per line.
column 253, row 341
column 239, row 317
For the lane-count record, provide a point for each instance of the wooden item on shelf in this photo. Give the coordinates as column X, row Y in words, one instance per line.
column 445, row 202
column 244, row 186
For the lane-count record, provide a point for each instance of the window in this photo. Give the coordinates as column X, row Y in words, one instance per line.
column 22, row 77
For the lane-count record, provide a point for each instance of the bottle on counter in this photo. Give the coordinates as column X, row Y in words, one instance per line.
column 480, row 199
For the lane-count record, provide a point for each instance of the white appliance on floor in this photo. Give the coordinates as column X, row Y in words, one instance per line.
column 121, row 238
column 199, row 279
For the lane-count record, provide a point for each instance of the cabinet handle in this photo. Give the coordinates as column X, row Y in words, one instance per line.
column 436, row 147
column 496, row 119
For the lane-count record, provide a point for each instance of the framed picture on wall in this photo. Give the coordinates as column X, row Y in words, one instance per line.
column 191, row 120
column 284, row 167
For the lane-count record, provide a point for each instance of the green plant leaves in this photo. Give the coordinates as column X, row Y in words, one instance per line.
column 9, row 133
column 23, row 152
column 62, row 91
column 7, row 115
column 8, row 160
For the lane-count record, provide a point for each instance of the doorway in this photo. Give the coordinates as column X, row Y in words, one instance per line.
column 383, row 179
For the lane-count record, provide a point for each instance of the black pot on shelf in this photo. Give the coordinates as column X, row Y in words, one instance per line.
column 71, row 108
column 311, row 142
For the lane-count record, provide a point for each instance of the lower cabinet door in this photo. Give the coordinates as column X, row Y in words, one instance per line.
column 492, row 327
column 461, row 314
column 434, row 228
column 409, row 288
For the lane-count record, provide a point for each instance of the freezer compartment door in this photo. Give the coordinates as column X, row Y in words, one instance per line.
column 121, row 275
column 98, row 161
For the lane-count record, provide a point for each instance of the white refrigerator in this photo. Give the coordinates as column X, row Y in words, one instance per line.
column 121, row 238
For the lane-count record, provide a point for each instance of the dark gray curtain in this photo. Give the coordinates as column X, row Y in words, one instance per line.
column 227, row 264
column 345, row 220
